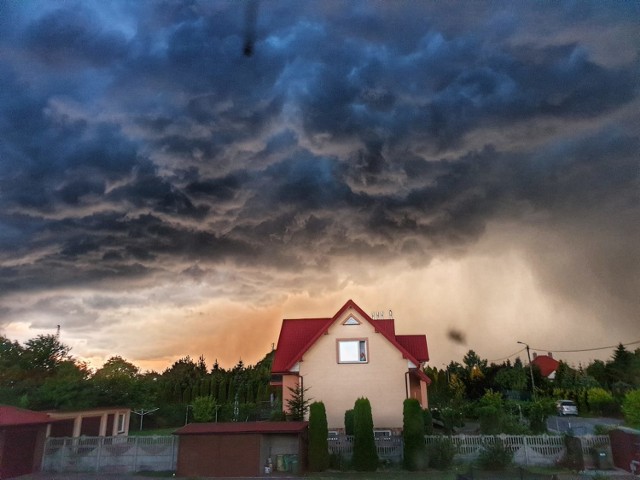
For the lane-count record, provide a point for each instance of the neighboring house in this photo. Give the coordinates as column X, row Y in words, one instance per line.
column 546, row 364
column 351, row 355
column 96, row 422
column 22, row 437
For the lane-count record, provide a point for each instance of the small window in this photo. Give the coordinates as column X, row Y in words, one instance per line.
column 351, row 321
column 352, row 351
column 121, row 417
column 382, row 433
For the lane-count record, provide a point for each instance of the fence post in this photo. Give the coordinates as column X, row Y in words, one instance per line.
column 135, row 452
column 526, row 450
column 99, row 454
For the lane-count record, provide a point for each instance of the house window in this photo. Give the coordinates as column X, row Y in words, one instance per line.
column 352, row 351
column 121, row 418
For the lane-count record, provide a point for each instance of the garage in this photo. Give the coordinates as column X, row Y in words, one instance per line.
column 241, row 449
column 22, row 437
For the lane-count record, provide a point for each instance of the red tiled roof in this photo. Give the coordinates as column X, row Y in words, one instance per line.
column 388, row 325
column 416, row 345
column 297, row 336
column 241, row 427
column 12, row 416
column 546, row 364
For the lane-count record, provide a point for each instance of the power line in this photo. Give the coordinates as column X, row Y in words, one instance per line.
column 584, row 349
column 508, row 356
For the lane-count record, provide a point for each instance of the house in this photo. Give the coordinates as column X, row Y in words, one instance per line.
column 241, row 449
column 96, row 422
column 546, row 364
column 351, row 355
column 22, row 437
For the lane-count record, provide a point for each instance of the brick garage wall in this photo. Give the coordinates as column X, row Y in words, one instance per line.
column 231, row 455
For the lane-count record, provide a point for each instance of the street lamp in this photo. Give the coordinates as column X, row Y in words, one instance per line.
column 533, row 386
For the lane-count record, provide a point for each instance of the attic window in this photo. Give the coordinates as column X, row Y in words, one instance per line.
column 351, row 321
column 353, row 351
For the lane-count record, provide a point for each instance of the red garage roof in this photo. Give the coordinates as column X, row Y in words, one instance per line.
column 298, row 335
column 241, row 427
column 12, row 416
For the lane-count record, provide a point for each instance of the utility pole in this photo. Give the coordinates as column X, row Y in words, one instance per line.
column 533, row 386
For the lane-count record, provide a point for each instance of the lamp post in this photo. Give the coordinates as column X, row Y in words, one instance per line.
column 533, row 386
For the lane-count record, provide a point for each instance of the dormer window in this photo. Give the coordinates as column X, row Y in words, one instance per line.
column 353, row 351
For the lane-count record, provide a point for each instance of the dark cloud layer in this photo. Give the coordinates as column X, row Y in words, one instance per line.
column 139, row 143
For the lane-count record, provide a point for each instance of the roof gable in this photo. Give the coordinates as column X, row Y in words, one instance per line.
column 546, row 364
column 298, row 335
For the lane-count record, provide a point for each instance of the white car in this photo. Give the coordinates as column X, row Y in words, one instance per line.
column 566, row 407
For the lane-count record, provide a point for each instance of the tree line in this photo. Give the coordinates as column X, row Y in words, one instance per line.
column 41, row 374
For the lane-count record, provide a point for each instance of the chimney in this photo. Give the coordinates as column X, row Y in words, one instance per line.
column 550, row 354
column 535, row 355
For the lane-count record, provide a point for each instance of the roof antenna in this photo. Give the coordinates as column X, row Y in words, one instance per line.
column 251, row 15
column 57, row 331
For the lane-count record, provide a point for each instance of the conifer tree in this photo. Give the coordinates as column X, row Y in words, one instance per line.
column 414, row 448
column 365, row 456
column 318, row 434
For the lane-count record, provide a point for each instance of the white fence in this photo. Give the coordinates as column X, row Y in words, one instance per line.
column 528, row 450
column 136, row 454
column 110, row 454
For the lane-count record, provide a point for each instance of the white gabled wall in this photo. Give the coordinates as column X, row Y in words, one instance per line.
column 381, row 380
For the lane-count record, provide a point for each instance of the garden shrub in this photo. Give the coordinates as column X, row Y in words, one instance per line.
column 318, row 435
column 414, row 451
column 490, row 419
column 495, row 455
column 631, row 408
column 365, row 455
column 441, row 453
column 348, row 422
column 600, row 401
column 428, row 421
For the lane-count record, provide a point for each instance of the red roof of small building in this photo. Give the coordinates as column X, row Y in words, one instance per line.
column 241, row 427
column 546, row 364
column 13, row 416
column 298, row 335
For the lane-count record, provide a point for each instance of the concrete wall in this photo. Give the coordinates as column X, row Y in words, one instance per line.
column 381, row 379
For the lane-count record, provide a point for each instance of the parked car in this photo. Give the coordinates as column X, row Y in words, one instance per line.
column 566, row 407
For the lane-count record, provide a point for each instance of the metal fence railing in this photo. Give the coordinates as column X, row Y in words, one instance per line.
column 110, row 454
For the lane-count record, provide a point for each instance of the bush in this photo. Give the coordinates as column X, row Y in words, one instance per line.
column 538, row 412
column 441, row 453
column 348, row 422
column 495, row 455
column 428, row 421
column 318, row 434
column 490, row 420
column 631, row 408
column 451, row 418
column 365, row 456
column 600, row 401
column 414, row 451
column 203, row 409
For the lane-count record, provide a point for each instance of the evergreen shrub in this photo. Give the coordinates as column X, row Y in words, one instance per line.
column 318, row 434
column 365, row 456
column 414, row 450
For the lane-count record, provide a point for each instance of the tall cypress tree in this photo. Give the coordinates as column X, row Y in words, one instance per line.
column 365, row 456
column 318, row 434
column 414, row 448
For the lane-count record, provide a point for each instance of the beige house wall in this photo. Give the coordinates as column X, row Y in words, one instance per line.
column 381, row 379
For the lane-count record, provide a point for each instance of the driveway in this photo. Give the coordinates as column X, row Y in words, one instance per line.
column 579, row 425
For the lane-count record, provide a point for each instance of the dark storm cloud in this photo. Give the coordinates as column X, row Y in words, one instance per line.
column 139, row 142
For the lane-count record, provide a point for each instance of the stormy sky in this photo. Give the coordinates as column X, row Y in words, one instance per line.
column 177, row 177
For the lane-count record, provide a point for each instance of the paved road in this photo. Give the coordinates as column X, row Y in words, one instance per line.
column 578, row 425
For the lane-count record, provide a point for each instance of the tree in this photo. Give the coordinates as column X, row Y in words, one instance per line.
column 116, row 383
column 318, row 435
column 631, row 408
column 43, row 354
column 203, row 408
column 414, row 449
column 365, row 455
column 298, row 404
column 349, row 422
